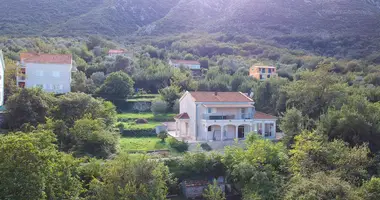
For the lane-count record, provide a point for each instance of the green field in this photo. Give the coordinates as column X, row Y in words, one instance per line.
column 148, row 116
column 134, row 126
column 144, row 98
column 142, row 144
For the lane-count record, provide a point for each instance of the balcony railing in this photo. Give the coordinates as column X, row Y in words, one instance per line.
column 227, row 116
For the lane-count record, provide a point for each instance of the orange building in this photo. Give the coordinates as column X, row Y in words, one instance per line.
column 263, row 72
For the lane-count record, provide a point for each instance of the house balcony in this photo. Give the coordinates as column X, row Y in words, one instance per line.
column 227, row 117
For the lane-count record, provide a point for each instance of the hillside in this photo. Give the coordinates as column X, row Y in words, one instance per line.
column 149, row 17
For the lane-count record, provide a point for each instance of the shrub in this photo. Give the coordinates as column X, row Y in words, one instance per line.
column 162, row 135
column 176, row 107
column 159, row 107
column 206, row 147
column 139, row 133
column 179, row 146
column 141, row 107
column 141, row 121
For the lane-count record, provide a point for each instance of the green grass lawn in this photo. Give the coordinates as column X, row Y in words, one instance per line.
column 144, row 98
column 148, row 116
column 131, row 144
column 134, row 126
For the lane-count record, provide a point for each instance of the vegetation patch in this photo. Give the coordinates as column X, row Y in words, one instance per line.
column 136, row 144
column 124, row 117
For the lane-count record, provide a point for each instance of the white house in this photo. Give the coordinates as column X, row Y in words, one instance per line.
column 51, row 72
column 191, row 64
column 220, row 116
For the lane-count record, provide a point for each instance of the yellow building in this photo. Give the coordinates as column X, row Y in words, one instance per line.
column 263, row 72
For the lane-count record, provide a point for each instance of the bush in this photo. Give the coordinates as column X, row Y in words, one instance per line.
column 206, row 147
column 179, row 146
column 141, row 107
column 159, row 107
column 176, row 107
column 141, row 121
column 162, row 135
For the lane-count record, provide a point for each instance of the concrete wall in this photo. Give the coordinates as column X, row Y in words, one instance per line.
column 61, row 84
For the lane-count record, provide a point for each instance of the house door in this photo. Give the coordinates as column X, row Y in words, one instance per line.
column 241, row 133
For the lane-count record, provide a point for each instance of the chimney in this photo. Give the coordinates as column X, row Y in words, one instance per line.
column 216, row 93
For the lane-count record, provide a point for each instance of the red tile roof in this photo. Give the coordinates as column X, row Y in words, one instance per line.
column 182, row 116
column 117, row 51
column 261, row 115
column 46, row 58
column 186, row 62
column 220, row 97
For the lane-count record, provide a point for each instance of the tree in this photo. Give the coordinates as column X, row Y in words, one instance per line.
column 159, row 107
column 162, row 135
column 204, row 63
column 78, row 83
column 170, row 95
column 10, row 86
column 32, row 168
column 370, row 190
column 315, row 92
column 28, row 106
column 131, row 178
column 313, row 153
column 268, row 96
column 73, row 106
column 91, row 137
column 292, row 124
column 117, row 84
column 213, row 192
column 121, row 64
column 260, row 170
column 355, row 123
column 320, row 186
column 98, row 78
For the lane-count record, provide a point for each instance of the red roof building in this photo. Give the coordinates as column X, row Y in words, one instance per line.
column 46, row 58
column 220, row 97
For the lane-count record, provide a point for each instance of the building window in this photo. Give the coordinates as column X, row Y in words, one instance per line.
column 261, row 76
column 263, row 70
column 209, row 129
column 268, row 76
column 40, row 73
column 269, row 71
column 211, row 110
column 56, row 74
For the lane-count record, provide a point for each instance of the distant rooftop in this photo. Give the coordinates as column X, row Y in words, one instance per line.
column 261, row 115
column 46, row 58
column 186, row 62
column 220, row 97
column 263, row 66
column 117, row 51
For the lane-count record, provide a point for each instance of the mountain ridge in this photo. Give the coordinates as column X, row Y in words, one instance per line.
column 262, row 18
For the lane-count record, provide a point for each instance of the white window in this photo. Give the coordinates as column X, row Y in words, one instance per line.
column 57, row 87
column 56, row 74
column 40, row 73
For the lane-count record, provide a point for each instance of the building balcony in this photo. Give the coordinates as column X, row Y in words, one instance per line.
column 227, row 117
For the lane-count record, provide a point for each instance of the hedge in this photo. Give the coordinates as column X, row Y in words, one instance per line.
column 139, row 133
